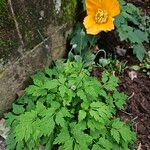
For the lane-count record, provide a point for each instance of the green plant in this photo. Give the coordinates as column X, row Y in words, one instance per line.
column 81, row 46
column 145, row 25
column 67, row 109
column 112, row 65
column 127, row 27
column 144, row 66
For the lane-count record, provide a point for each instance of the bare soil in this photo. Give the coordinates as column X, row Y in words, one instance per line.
column 137, row 109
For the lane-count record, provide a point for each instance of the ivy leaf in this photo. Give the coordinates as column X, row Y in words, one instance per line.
column 82, row 115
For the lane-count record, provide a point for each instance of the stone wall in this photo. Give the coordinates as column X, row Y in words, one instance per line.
column 42, row 27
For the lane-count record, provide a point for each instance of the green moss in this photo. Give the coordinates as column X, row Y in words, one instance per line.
column 69, row 8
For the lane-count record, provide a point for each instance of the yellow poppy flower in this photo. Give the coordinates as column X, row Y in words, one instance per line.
column 100, row 15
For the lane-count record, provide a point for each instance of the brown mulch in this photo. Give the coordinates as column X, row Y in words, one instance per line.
column 138, row 107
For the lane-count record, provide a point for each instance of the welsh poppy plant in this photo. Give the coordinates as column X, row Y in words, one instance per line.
column 100, row 15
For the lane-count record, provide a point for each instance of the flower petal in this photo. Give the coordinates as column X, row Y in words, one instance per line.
column 95, row 28
column 92, row 6
column 112, row 6
column 108, row 26
column 89, row 21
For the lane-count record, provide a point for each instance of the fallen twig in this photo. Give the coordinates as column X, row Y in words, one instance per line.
column 131, row 96
column 126, row 112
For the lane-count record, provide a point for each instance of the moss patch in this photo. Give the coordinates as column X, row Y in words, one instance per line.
column 69, row 10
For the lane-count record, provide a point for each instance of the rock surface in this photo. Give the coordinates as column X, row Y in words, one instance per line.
column 41, row 24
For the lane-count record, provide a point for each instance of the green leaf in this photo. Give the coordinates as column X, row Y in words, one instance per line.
column 68, row 145
column 77, row 147
column 142, row 36
column 119, row 99
column 95, row 115
column 35, row 91
column 62, row 79
column 62, row 137
column 117, row 124
column 82, row 95
column 91, row 91
column 49, row 71
column 80, row 39
column 38, row 79
column 126, row 134
column 49, row 144
column 40, row 107
column 18, row 109
column 105, row 76
column 139, row 51
column 111, row 84
column 47, row 125
column 24, row 126
column 96, row 147
column 11, row 141
column 59, row 119
column 20, row 145
column 51, row 84
column 10, row 118
column 115, row 134
column 105, row 143
column 62, row 90
column 82, row 115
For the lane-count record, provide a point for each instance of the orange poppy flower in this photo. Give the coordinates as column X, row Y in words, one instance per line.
column 100, row 15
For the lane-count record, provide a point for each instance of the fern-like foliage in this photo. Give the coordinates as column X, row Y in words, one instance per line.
column 67, row 109
column 130, row 27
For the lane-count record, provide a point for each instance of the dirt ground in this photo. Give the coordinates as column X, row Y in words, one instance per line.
column 138, row 106
column 137, row 109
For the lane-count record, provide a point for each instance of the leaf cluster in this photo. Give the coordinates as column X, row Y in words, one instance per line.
column 130, row 27
column 144, row 66
column 112, row 65
column 67, row 109
column 81, row 44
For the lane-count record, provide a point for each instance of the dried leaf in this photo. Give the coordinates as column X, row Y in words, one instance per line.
column 132, row 75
